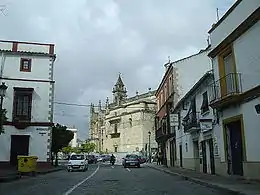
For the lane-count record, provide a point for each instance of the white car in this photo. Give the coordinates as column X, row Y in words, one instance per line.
column 77, row 162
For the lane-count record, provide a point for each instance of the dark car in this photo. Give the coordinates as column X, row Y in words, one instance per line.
column 143, row 159
column 91, row 159
column 131, row 160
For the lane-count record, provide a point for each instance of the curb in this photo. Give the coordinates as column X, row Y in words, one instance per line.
column 9, row 178
column 201, row 182
column 48, row 171
column 14, row 177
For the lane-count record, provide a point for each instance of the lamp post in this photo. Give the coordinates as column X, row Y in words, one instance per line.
column 3, row 89
column 149, row 146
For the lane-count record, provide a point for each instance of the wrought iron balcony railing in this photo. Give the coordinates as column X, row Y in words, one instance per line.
column 191, row 121
column 228, row 85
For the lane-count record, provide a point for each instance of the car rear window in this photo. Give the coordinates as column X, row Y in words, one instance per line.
column 77, row 157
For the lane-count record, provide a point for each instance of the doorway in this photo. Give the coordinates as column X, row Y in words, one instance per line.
column 234, row 148
column 180, row 147
column 204, row 156
column 172, row 153
column 211, row 153
column 19, row 146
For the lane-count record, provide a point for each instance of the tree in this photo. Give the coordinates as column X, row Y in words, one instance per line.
column 88, row 147
column 3, row 119
column 61, row 138
column 67, row 149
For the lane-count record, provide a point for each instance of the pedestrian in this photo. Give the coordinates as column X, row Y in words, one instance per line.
column 158, row 158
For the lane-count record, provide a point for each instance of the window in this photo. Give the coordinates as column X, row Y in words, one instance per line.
column 205, row 103
column 115, row 128
column 170, row 86
column 22, row 104
column 227, row 72
column 179, row 120
column 130, row 122
column 165, row 93
column 25, row 65
column 77, row 157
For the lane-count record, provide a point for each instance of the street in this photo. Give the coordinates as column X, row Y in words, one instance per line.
column 105, row 179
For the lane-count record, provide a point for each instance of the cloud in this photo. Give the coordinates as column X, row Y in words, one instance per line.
column 96, row 39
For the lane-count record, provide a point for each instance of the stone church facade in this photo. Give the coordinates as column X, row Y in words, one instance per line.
column 124, row 124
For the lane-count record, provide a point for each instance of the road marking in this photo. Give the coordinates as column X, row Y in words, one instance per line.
column 84, row 180
column 128, row 169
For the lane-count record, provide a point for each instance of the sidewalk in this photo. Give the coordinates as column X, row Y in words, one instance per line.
column 7, row 175
column 225, row 184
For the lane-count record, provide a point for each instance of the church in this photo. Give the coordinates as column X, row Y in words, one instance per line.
column 125, row 124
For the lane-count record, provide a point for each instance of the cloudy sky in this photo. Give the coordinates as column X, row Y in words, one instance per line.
column 97, row 39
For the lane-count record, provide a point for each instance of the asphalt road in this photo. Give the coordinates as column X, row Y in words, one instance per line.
column 104, row 180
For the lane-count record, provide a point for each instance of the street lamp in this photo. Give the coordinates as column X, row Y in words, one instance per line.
column 149, row 145
column 3, row 89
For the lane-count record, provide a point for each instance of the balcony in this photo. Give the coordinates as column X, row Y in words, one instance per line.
column 159, row 133
column 225, row 90
column 115, row 135
column 191, row 122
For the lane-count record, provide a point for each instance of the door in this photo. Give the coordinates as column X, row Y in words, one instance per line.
column 236, row 147
column 211, row 153
column 228, row 80
column 180, row 146
column 19, row 146
column 204, row 156
column 171, row 153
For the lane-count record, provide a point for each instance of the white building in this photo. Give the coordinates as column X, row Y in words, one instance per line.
column 196, row 147
column 179, row 78
column 235, row 42
column 73, row 143
column 27, row 70
column 190, row 69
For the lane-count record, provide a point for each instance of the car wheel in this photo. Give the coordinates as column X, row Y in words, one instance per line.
column 138, row 166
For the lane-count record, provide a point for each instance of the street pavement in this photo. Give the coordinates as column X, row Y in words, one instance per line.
column 104, row 179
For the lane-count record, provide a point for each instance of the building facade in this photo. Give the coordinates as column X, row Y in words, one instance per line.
column 27, row 70
column 195, row 139
column 235, row 91
column 124, row 124
column 178, row 79
column 165, row 96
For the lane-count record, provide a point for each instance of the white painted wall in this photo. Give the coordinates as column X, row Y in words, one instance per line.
column 190, row 70
column 247, row 60
column 40, row 68
column 185, row 138
column 40, row 99
column 251, row 126
column 233, row 20
column 39, row 145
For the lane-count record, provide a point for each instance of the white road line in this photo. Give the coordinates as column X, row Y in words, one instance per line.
column 78, row 184
column 128, row 169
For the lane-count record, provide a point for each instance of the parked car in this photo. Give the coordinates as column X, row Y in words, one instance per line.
column 92, row 159
column 131, row 160
column 143, row 159
column 77, row 162
column 105, row 157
